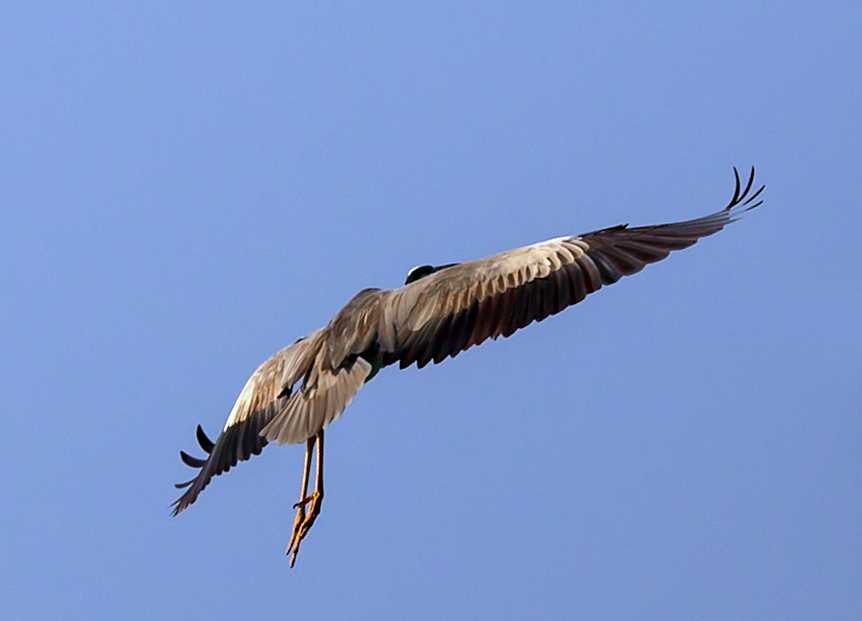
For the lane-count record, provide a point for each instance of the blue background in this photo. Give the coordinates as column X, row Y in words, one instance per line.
column 188, row 187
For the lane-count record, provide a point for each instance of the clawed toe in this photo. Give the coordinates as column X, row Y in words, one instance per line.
column 303, row 502
column 303, row 523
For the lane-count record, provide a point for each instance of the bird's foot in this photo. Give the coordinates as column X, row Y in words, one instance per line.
column 304, row 521
column 297, row 527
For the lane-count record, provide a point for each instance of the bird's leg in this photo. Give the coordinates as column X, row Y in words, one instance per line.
column 316, row 498
column 300, row 514
column 304, row 521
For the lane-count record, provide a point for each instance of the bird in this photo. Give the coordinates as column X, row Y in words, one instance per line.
column 439, row 312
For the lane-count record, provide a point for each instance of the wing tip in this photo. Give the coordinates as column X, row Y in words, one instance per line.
column 742, row 201
column 193, row 462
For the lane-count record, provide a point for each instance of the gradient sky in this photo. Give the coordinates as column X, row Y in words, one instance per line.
column 188, row 187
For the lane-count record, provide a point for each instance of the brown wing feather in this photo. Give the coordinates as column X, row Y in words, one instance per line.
column 460, row 306
column 265, row 394
column 313, row 408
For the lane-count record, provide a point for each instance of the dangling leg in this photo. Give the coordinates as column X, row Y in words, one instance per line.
column 304, row 521
column 300, row 514
column 316, row 498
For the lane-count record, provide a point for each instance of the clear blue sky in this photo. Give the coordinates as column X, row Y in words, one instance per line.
column 188, row 187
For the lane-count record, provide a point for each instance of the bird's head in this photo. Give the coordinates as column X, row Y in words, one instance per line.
column 421, row 271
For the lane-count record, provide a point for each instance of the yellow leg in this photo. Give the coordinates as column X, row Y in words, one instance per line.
column 304, row 521
column 300, row 514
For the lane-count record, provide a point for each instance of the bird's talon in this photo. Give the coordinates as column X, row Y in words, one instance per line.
column 303, row 502
column 303, row 523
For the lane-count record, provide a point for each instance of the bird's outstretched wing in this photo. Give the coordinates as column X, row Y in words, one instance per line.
column 455, row 308
column 265, row 395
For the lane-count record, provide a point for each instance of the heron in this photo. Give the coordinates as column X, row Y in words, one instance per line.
column 438, row 313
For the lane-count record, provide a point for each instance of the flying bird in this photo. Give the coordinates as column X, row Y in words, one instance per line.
column 438, row 313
